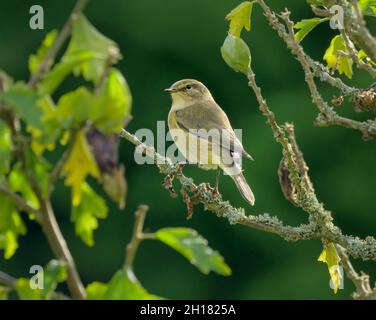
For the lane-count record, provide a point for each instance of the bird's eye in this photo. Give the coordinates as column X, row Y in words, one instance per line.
column 188, row 86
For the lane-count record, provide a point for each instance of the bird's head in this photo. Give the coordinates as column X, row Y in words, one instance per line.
column 188, row 91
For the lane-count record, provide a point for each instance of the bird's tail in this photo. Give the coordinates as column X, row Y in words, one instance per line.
column 244, row 188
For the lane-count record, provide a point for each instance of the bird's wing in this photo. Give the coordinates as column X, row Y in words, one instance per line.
column 199, row 119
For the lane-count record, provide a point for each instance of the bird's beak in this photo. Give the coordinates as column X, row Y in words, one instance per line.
column 171, row 90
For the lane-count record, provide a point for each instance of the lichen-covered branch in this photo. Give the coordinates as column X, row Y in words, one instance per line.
column 361, row 282
column 328, row 116
column 359, row 248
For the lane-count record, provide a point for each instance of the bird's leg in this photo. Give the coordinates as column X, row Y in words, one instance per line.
column 216, row 190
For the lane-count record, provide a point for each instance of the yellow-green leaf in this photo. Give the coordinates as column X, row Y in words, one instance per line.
column 86, row 214
column 336, row 61
column 11, row 227
column 240, row 18
column 113, row 104
column 5, row 148
column 25, row 292
column 305, row 26
column 330, row 256
column 80, row 163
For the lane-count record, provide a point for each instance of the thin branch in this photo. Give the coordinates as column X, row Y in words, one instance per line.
column 61, row 38
column 355, row 27
column 327, row 114
column 361, row 282
column 353, row 53
column 60, row 248
column 212, row 201
column 136, row 239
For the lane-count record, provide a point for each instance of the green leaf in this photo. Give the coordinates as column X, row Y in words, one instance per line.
column 368, row 7
column 113, row 104
column 4, row 293
column 11, row 226
column 85, row 215
column 236, row 54
column 23, row 100
column 5, row 148
column 306, row 26
column 195, row 248
column 240, row 18
column 35, row 59
column 121, row 288
column 73, row 108
column 55, row 272
column 65, row 67
column 19, row 183
column 85, row 37
column 334, row 60
column 25, row 292
column 96, row 290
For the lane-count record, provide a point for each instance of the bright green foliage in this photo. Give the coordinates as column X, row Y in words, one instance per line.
column 85, row 215
column 240, row 18
column 23, row 100
column 61, row 70
column 119, row 288
column 39, row 167
column 368, row 7
column 336, row 61
column 87, row 54
column 73, row 108
column 4, row 293
column 19, row 183
column 5, row 148
column 85, row 37
column 236, row 54
column 11, row 226
column 195, row 248
column 54, row 273
column 305, row 26
column 112, row 104
column 35, row 59
column 25, row 292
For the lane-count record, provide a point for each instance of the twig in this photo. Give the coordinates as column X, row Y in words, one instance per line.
column 327, row 114
column 361, row 282
column 358, row 248
column 356, row 28
column 136, row 239
column 61, row 38
column 353, row 53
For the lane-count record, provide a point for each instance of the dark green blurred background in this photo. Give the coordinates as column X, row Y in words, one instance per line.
column 164, row 41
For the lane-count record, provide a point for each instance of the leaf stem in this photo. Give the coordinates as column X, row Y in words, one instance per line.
column 137, row 237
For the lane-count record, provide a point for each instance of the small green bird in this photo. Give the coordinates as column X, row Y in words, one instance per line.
column 203, row 133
